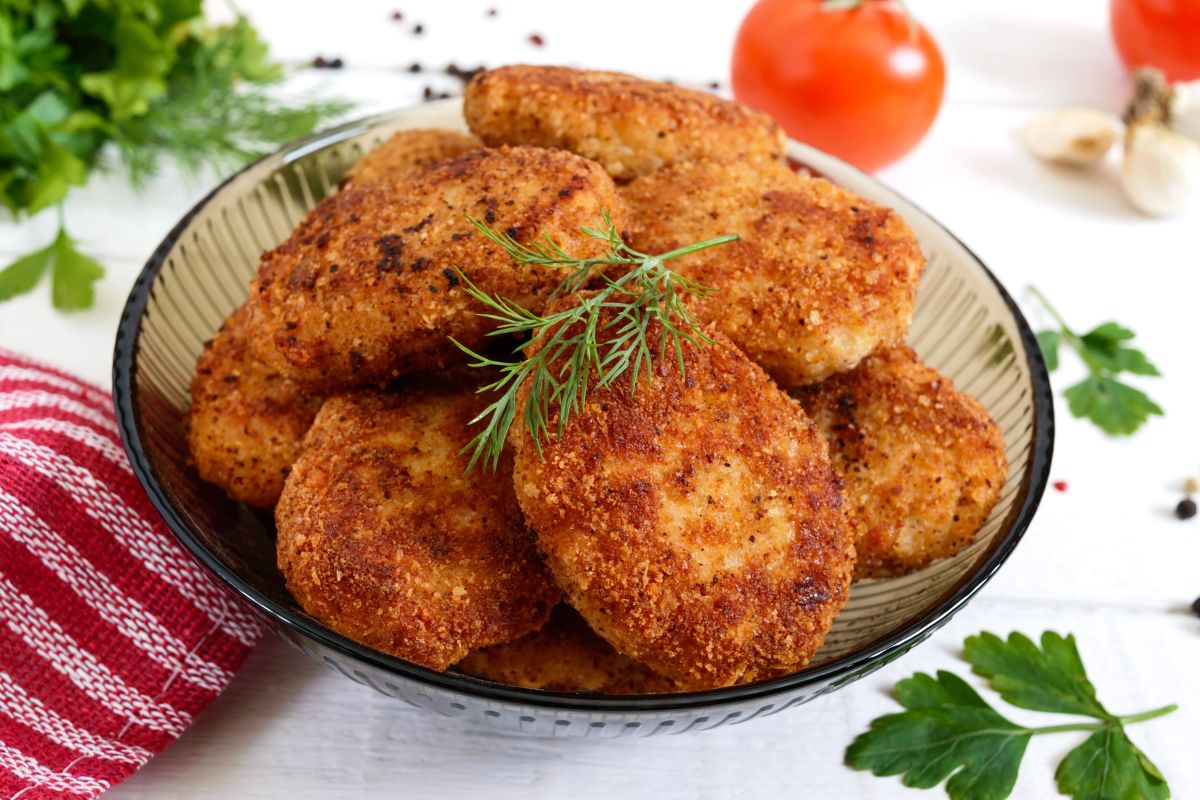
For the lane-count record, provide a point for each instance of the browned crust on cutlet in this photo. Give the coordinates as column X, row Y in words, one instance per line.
column 564, row 655
column 407, row 152
column 819, row 278
column 695, row 523
column 630, row 125
column 384, row 538
column 366, row 289
column 246, row 421
column 923, row 464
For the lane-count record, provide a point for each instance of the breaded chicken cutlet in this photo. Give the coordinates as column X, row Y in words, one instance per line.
column 368, row 289
column 630, row 125
column 818, row 279
column 407, row 152
column 246, row 421
column 695, row 523
column 565, row 655
column 383, row 537
column 922, row 463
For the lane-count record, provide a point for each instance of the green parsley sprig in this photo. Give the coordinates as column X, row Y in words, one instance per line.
column 949, row 731
column 149, row 78
column 606, row 333
column 1106, row 350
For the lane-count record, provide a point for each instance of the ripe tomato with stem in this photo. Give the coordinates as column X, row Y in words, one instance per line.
column 861, row 79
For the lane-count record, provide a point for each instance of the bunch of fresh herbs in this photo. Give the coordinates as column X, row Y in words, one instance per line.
column 149, row 79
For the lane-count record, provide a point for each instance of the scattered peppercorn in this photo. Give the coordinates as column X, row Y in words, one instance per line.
column 491, row 12
column 1186, row 508
column 397, row 15
column 536, row 39
column 1196, row 606
column 1060, row 486
column 714, row 85
column 418, row 29
column 320, row 62
column 428, row 93
column 443, row 95
column 415, row 67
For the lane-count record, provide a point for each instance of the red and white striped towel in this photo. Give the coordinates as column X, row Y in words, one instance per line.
column 111, row 638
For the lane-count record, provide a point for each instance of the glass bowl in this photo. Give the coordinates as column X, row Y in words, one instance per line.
column 965, row 325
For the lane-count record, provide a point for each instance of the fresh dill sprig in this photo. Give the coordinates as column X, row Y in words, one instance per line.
column 605, row 334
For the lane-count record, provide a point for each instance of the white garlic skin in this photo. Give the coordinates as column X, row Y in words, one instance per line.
column 1077, row 137
column 1185, row 109
column 1161, row 171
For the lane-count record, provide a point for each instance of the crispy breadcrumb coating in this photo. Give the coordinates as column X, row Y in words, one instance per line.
column 246, row 421
column 407, row 152
column 923, row 464
column 818, row 280
column 695, row 523
column 565, row 655
column 367, row 289
column 383, row 537
column 630, row 125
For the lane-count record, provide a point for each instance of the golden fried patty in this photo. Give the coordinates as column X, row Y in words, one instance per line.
column 565, row 655
column 819, row 278
column 407, row 152
column 630, row 125
column 922, row 463
column 384, row 538
column 367, row 289
column 695, row 523
column 246, row 420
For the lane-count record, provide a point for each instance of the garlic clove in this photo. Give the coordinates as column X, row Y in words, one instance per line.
column 1161, row 170
column 1078, row 137
column 1185, row 109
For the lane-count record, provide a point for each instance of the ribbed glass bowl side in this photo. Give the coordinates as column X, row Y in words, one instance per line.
column 965, row 325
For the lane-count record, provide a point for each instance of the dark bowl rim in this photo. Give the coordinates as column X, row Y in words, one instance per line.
column 879, row 651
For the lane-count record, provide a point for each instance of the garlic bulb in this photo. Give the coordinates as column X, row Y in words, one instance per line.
column 1161, row 171
column 1078, row 137
column 1185, row 109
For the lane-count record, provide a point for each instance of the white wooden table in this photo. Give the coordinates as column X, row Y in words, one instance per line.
column 1106, row 560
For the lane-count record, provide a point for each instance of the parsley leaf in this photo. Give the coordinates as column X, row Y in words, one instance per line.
column 1107, row 766
column 72, row 274
column 1048, row 342
column 1117, row 408
column 23, row 274
column 949, row 733
column 1113, row 406
column 1048, row 679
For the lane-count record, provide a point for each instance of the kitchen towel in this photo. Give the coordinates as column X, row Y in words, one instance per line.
column 112, row 638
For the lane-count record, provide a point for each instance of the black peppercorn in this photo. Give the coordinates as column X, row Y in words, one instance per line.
column 1186, row 508
column 1196, row 606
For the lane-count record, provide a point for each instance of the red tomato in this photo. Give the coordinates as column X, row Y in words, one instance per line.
column 1158, row 33
column 858, row 82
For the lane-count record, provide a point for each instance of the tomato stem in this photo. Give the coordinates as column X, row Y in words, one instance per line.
column 850, row 5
